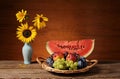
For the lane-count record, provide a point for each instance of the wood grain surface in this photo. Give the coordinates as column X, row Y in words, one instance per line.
column 17, row 70
column 68, row 20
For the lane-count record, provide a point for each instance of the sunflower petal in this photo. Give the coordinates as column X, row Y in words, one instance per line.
column 21, row 15
column 38, row 22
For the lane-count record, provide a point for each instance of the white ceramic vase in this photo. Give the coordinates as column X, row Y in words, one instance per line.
column 27, row 53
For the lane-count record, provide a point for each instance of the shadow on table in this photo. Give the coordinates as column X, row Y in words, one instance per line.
column 92, row 71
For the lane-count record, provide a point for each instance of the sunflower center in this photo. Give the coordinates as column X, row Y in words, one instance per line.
column 41, row 19
column 26, row 16
column 26, row 33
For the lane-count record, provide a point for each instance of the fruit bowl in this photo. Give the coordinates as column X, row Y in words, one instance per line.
column 45, row 66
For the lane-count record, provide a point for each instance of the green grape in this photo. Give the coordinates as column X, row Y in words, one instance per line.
column 63, row 64
column 75, row 68
column 75, row 63
column 54, row 64
column 62, row 59
column 71, row 62
column 60, row 64
column 67, row 64
column 71, row 65
column 70, row 68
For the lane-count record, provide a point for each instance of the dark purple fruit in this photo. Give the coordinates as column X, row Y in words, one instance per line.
column 80, row 64
column 84, row 61
column 65, row 54
column 50, row 61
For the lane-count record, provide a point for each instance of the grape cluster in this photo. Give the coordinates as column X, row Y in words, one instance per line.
column 71, row 65
column 60, row 64
column 66, row 63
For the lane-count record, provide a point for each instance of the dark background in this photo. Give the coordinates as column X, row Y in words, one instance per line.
column 68, row 20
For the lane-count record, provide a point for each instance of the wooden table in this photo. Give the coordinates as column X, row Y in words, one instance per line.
column 16, row 69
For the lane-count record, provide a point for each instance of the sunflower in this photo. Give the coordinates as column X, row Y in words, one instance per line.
column 26, row 34
column 21, row 15
column 39, row 21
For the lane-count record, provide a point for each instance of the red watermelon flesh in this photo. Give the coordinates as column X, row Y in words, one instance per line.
column 82, row 47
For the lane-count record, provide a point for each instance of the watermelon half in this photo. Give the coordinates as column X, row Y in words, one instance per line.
column 82, row 47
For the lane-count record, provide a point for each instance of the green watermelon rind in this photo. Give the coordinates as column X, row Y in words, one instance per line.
column 86, row 55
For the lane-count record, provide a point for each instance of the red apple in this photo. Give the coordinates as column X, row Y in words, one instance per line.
column 57, row 55
column 72, row 57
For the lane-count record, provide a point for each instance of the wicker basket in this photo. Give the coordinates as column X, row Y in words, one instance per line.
column 45, row 66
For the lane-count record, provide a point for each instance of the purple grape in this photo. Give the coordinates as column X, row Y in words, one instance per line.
column 65, row 54
column 80, row 64
column 83, row 60
column 50, row 61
